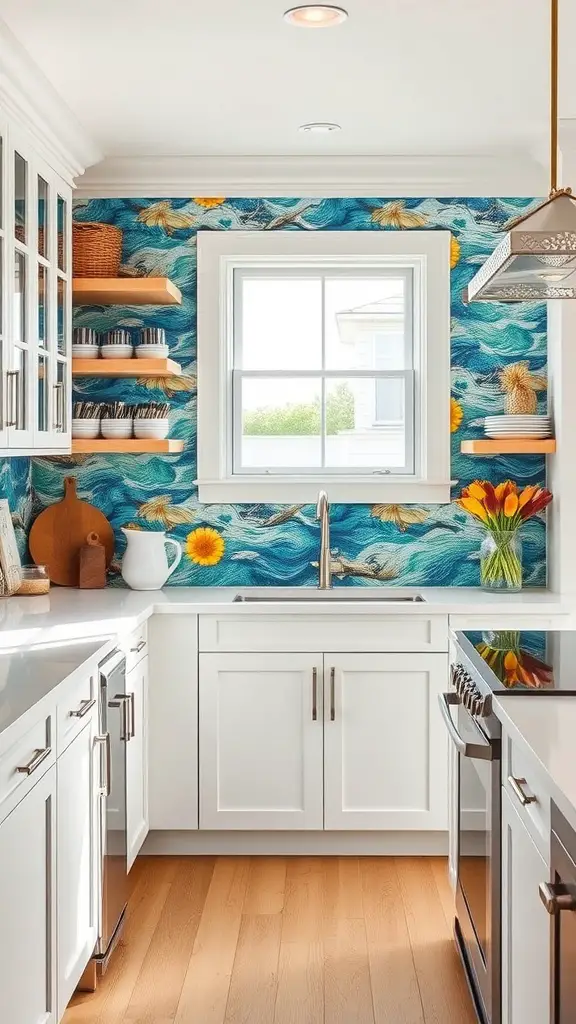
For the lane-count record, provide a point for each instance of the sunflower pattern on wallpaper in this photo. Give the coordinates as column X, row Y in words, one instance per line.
column 259, row 545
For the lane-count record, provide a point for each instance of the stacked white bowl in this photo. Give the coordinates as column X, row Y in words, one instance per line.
column 117, row 344
column 521, row 426
column 152, row 344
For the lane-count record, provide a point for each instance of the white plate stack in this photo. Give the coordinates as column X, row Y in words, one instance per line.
column 525, row 427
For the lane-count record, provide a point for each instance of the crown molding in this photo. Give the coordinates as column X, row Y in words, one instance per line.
column 28, row 97
column 515, row 174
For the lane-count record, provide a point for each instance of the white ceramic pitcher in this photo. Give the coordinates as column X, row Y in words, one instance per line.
column 145, row 563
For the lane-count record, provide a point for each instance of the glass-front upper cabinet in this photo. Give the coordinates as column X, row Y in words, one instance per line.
column 35, row 321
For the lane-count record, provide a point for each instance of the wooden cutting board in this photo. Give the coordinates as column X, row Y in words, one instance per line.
column 60, row 531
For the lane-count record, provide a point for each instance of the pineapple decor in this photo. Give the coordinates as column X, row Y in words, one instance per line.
column 520, row 387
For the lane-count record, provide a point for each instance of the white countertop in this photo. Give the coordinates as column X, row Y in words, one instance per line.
column 27, row 676
column 67, row 613
column 546, row 728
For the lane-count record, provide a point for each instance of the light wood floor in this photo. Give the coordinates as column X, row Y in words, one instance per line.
column 277, row 940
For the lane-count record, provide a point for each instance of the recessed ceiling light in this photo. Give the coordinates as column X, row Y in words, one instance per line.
column 315, row 16
column 320, row 127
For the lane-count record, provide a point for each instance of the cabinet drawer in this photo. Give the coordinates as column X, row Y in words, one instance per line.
column 315, row 632
column 523, row 781
column 77, row 702
column 135, row 645
column 30, row 755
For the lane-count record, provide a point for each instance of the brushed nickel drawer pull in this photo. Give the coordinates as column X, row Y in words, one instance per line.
column 85, row 707
column 332, row 694
column 555, row 898
column 314, row 694
column 13, row 398
column 516, row 787
column 59, row 421
column 105, row 740
column 35, row 761
column 139, row 647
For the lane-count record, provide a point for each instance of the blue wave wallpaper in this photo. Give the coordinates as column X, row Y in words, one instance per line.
column 16, row 486
column 259, row 545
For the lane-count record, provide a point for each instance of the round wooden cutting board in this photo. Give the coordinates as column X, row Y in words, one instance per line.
column 60, row 531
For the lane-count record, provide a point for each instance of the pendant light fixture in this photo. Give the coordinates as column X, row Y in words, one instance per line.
column 536, row 260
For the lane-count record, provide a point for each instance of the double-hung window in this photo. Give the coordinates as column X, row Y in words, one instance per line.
column 323, row 361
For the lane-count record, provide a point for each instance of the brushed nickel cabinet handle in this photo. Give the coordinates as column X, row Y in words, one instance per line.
column 59, row 422
column 105, row 741
column 85, row 707
column 332, row 694
column 516, row 787
column 139, row 647
column 13, row 398
column 314, row 694
column 555, row 898
column 131, row 705
column 35, row 762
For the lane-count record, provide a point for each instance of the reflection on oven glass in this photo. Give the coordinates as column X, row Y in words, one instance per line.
column 474, row 843
column 516, row 659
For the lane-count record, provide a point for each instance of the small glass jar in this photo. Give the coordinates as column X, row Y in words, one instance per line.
column 501, row 562
column 35, row 581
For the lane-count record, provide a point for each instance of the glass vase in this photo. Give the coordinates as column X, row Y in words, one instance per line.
column 501, row 562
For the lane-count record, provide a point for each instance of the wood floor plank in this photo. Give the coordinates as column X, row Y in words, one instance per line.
column 342, row 889
column 266, row 886
column 304, row 899
column 395, row 992
column 347, row 990
column 159, row 984
column 255, row 973
column 108, row 1004
column 439, row 867
column 441, row 980
column 300, row 994
column 206, row 986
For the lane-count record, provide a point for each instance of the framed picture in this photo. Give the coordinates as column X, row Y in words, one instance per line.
column 10, row 565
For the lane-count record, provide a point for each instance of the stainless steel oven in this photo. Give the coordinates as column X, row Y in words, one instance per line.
column 475, row 732
column 559, row 898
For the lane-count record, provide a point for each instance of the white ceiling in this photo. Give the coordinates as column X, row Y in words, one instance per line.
column 226, row 77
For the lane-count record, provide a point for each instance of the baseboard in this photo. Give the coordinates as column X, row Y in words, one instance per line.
column 352, row 844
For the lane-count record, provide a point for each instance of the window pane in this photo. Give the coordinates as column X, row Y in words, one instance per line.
column 42, row 216
column 62, row 222
column 42, row 393
column 42, row 303
column 281, row 423
column 19, row 305
column 20, row 181
column 357, row 309
column 61, row 317
column 354, row 436
column 281, row 325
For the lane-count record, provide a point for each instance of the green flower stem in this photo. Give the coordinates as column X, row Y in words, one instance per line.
column 502, row 564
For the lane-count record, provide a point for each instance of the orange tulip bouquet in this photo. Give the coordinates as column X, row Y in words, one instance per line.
column 502, row 510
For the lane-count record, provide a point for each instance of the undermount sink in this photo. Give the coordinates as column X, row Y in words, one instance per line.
column 328, row 595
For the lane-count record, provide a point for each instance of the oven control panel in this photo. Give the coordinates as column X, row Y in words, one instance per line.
column 478, row 704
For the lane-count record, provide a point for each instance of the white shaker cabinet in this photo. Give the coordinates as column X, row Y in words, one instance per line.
column 35, row 317
column 525, row 924
column 137, row 760
column 385, row 751
column 78, row 804
column 28, row 907
column 261, row 741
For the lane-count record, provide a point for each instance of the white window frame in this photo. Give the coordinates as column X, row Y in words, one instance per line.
column 427, row 255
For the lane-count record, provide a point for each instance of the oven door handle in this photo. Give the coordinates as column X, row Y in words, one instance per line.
column 479, row 751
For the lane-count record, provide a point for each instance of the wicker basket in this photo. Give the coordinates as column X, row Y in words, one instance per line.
column 96, row 249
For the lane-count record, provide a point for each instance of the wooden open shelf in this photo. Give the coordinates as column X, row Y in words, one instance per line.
column 125, row 291
column 508, row 446
column 130, row 445
column 126, row 368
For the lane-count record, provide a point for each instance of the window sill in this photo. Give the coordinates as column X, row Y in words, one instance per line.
column 290, row 490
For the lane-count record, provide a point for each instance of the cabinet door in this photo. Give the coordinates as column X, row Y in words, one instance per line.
column 137, row 760
column 525, row 928
column 260, row 741
column 77, row 788
column 385, row 745
column 28, row 908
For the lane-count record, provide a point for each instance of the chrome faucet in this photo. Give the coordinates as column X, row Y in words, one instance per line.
column 325, row 561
